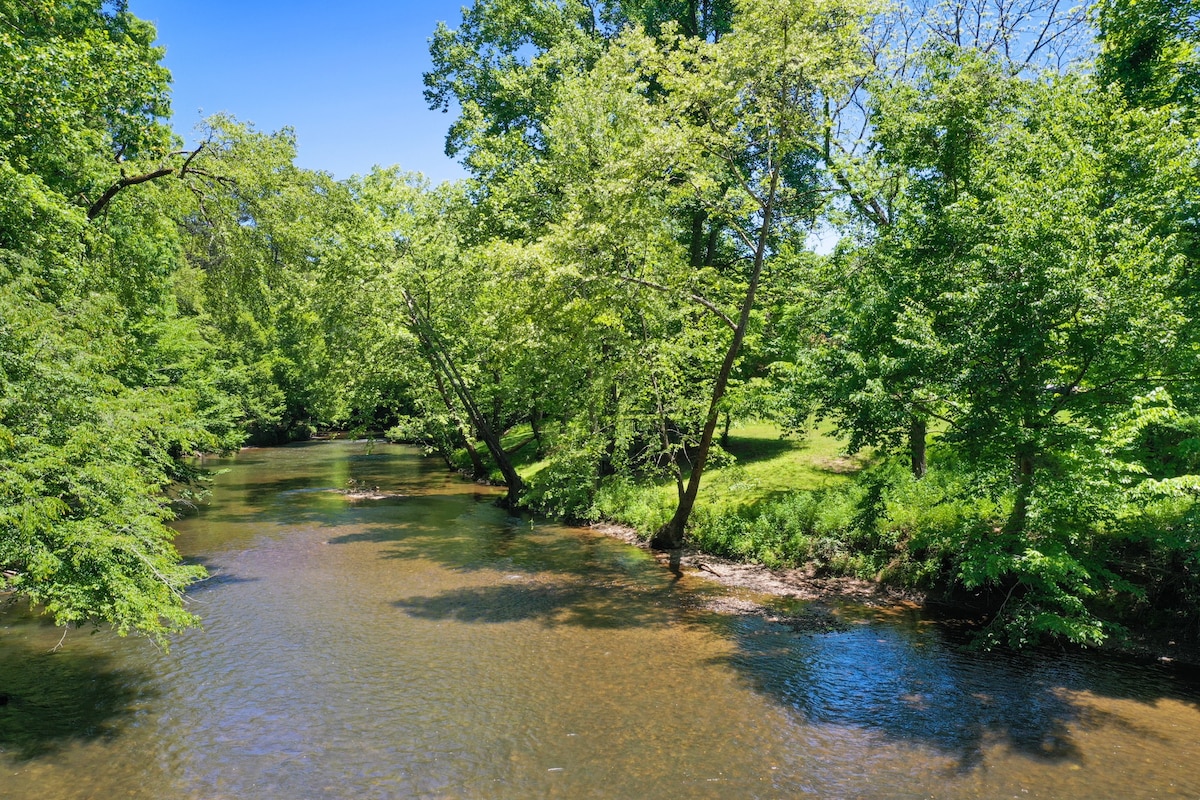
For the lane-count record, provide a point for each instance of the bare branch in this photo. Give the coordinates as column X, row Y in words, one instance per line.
column 95, row 209
column 191, row 157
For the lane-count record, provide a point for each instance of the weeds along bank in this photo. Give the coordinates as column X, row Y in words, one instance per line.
column 800, row 501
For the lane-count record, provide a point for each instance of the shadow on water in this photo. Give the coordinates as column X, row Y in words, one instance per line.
column 479, row 536
column 906, row 679
column 551, row 604
column 54, row 699
column 921, row 684
column 218, row 575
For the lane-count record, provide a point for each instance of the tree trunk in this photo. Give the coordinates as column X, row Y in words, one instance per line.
column 1024, row 477
column 670, row 536
column 916, row 446
column 710, row 248
column 1026, row 449
column 478, row 470
column 535, row 425
column 696, row 245
column 464, row 430
column 442, row 362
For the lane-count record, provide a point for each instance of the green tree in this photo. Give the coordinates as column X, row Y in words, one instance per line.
column 931, row 134
column 1044, row 295
column 104, row 384
column 1151, row 50
column 261, row 236
column 745, row 108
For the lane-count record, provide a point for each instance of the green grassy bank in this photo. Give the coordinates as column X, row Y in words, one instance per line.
column 769, row 499
column 800, row 501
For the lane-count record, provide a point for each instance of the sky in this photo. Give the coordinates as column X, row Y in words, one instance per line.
column 346, row 76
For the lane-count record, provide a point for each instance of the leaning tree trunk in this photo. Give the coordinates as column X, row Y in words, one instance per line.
column 464, row 430
column 670, row 536
column 441, row 361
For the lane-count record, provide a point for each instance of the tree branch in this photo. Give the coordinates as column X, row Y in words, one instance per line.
column 97, row 207
column 711, row 306
column 111, row 192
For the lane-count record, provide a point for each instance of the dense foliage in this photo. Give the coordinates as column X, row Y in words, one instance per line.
column 1005, row 330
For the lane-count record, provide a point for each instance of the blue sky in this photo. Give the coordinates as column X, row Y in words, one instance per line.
column 345, row 75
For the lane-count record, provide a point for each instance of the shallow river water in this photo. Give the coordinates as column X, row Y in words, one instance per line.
column 429, row 645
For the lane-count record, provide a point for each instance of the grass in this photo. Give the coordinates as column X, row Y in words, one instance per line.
column 759, row 467
column 768, row 465
column 765, row 498
column 765, row 462
column 521, row 447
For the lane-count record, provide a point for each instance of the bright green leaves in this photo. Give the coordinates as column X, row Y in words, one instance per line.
column 81, row 90
column 501, row 68
column 1026, row 285
column 103, row 385
column 84, row 462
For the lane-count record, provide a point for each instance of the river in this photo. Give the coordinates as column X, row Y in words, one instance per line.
column 429, row 645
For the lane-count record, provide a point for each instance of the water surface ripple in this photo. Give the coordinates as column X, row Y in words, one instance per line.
column 426, row 644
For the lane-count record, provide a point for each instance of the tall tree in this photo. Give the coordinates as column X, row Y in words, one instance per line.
column 1045, row 298
column 729, row 118
column 104, row 384
column 1151, row 49
column 931, row 134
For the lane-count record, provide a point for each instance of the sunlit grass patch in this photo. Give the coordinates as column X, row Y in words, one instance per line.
column 768, row 464
column 762, row 465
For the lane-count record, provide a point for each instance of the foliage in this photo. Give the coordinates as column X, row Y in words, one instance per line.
column 625, row 281
column 1151, row 50
column 104, row 384
column 86, row 458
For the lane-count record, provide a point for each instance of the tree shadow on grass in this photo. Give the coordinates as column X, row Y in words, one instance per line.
column 748, row 449
column 55, row 699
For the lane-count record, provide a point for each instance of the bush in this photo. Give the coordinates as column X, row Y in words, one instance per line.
column 565, row 487
column 643, row 507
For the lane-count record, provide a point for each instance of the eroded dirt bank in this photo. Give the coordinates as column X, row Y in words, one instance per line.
column 823, row 592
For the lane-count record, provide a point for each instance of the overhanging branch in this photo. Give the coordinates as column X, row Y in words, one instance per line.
column 710, row 305
column 111, row 192
column 95, row 209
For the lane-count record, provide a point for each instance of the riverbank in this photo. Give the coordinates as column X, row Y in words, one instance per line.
column 793, row 517
column 756, row 582
column 822, row 593
column 798, row 583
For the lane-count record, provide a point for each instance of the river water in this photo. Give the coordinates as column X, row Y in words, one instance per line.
column 428, row 645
